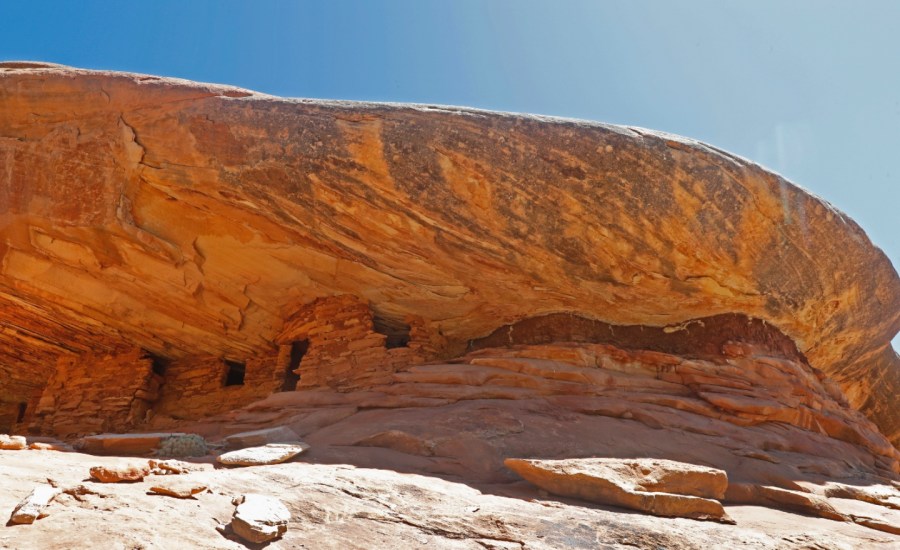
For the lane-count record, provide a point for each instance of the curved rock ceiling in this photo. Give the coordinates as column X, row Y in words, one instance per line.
column 191, row 218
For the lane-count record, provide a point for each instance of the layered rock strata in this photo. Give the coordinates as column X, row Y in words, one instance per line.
column 188, row 220
column 780, row 430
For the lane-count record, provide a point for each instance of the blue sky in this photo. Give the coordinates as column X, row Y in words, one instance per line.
column 808, row 88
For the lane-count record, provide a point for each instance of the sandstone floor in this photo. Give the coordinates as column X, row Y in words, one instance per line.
column 420, row 462
column 343, row 506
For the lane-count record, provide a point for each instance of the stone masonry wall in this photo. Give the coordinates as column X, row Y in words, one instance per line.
column 344, row 350
column 96, row 393
column 20, row 385
column 121, row 391
column 194, row 387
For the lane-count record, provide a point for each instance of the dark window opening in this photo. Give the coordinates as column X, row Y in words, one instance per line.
column 291, row 378
column 158, row 363
column 397, row 332
column 20, row 416
column 234, row 374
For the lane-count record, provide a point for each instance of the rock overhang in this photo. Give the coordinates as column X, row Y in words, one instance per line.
column 186, row 217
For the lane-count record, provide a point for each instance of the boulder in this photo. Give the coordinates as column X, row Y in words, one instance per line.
column 12, row 442
column 659, row 487
column 121, row 472
column 32, row 506
column 273, row 453
column 259, row 518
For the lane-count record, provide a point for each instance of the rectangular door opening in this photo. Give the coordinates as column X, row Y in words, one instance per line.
column 291, row 377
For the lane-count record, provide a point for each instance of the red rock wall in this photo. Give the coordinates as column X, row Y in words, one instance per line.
column 344, row 350
column 96, row 393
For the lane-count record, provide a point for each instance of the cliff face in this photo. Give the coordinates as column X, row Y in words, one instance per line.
column 190, row 219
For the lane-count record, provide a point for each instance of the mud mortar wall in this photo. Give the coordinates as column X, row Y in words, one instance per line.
column 121, row 391
column 344, row 350
column 195, row 387
column 96, row 393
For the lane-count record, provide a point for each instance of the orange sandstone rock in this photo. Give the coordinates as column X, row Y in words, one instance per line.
column 659, row 487
column 188, row 218
column 123, row 472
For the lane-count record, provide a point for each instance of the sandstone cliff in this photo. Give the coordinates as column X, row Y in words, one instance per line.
column 458, row 297
column 186, row 218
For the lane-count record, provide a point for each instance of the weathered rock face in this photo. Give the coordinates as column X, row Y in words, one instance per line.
column 659, row 487
column 192, row 219
column 420, row 461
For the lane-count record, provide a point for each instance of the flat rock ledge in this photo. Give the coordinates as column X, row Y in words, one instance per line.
column 659, row 487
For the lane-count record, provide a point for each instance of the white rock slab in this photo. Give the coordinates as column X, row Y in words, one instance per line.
column 273, row 453
column 32, row 506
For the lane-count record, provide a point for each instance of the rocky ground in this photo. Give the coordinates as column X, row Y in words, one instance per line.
column 344, row 506
column 420, row 463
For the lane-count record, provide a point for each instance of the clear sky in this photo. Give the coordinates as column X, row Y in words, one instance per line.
column 808, row 88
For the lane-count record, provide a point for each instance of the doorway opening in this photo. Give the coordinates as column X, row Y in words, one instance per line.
column 397, row 332
column 291, row 377
column 158, row 363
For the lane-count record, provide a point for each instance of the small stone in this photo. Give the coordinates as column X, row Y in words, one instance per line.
column 173, row 467
column 259, row 518
column 124, row 472
column 273, row 453
column 184, row 489
column 79, row 491
column 12, row 442
column 32, row 506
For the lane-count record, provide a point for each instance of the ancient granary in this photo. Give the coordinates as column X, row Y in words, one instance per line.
column 333, row 342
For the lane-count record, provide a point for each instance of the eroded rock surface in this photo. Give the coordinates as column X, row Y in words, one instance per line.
column 780, row 430
column 196, row 219
column 658, row 487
